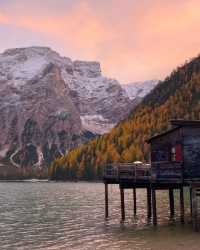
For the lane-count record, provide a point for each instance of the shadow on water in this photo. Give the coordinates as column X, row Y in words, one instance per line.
column 71, row 216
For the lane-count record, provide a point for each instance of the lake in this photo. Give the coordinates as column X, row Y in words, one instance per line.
column 49, row 215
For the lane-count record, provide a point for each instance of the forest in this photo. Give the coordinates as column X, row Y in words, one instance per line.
column 177, row 97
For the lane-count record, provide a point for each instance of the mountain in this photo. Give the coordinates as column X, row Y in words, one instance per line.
column 177, row 97
column 138, row 90
column 50, row 104
column 102, row 102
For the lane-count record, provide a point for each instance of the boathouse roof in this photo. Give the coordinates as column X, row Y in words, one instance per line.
column 176, row 124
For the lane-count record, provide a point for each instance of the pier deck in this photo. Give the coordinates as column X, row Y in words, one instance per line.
column 134, row 176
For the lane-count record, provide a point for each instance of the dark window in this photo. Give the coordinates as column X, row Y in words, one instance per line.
column 160, row 155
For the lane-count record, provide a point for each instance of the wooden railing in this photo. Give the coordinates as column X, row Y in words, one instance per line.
column 127, row 171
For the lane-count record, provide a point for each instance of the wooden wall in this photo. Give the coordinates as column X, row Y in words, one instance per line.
column 161, row 164
column 191, row 154
column 161, row 161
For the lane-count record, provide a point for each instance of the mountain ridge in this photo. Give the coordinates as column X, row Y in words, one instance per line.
column 50, row 104
column 42, row 104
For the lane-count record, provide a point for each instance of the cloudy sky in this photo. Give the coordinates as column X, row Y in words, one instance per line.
column 133, row 39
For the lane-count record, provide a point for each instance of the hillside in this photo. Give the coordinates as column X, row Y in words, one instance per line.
column 178, row 96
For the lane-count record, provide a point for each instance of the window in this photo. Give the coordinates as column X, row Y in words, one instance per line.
column 173, row 154
column 176, row 153
column 160, row 155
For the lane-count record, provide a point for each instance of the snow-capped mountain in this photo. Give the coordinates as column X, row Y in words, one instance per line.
column 47, row 102
column 138, row 90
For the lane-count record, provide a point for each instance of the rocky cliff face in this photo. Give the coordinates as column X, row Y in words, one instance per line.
column 47, row 102
column 38, row 119
column 102, row 102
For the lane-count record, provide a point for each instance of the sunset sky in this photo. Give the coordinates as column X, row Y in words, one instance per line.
column 133, row 39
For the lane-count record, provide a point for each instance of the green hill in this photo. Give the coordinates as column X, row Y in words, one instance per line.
column 178, row 96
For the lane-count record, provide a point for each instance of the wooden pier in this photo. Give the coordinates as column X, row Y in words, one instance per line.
column 175, row 164
column 134, row 176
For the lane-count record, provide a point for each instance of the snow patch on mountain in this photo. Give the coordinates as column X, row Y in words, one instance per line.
column 96, row 124
column 139, row 89
column 19, row 66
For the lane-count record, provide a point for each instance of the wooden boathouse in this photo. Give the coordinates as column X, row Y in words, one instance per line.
column 175, row 164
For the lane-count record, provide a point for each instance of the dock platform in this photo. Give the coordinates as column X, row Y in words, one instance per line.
column 136, row 176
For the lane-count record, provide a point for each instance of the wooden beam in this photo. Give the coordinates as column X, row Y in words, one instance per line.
column 154, row 206
column 182, row 205
column 134, row 201
column 106, row 200
column 171, row 202
column 122, row 204
column 149, row 212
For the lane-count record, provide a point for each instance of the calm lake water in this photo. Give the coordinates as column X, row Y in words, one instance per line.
column 44, row 215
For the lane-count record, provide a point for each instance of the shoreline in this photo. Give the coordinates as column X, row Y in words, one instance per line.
column 50, row 181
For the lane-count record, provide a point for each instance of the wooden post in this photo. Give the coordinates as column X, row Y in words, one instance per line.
column 191, row 202
column 106, row 200
column 154, row 206
column 122, row 204
column 195, row 219
column 171, row 202
column 149, row 202
column 182, row 204
column 134, row 201
column 194, row 210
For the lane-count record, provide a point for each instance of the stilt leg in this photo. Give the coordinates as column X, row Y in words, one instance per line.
column 134, row 201
column 154, row 206
column 194, row 210
column 149, row 202
column 182, row 205
column 106, row 200
column 171, row 202
column 122, row 204
column 191, row 202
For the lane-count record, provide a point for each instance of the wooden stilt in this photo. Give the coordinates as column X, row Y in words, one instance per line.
column 195, row 216
column 149, row 202
column 191, row 202
column 194, row 210
column 171, row 202
column 122, row 204
column 134, row 201
column 106, row 200
column 154, row 206
column 182, row 205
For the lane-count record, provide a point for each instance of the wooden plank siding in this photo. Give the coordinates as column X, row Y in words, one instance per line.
column 191, row 145
column 163, row 168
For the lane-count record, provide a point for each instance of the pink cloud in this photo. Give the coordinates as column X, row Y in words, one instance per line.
column 134, row 40
column 3, row 19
